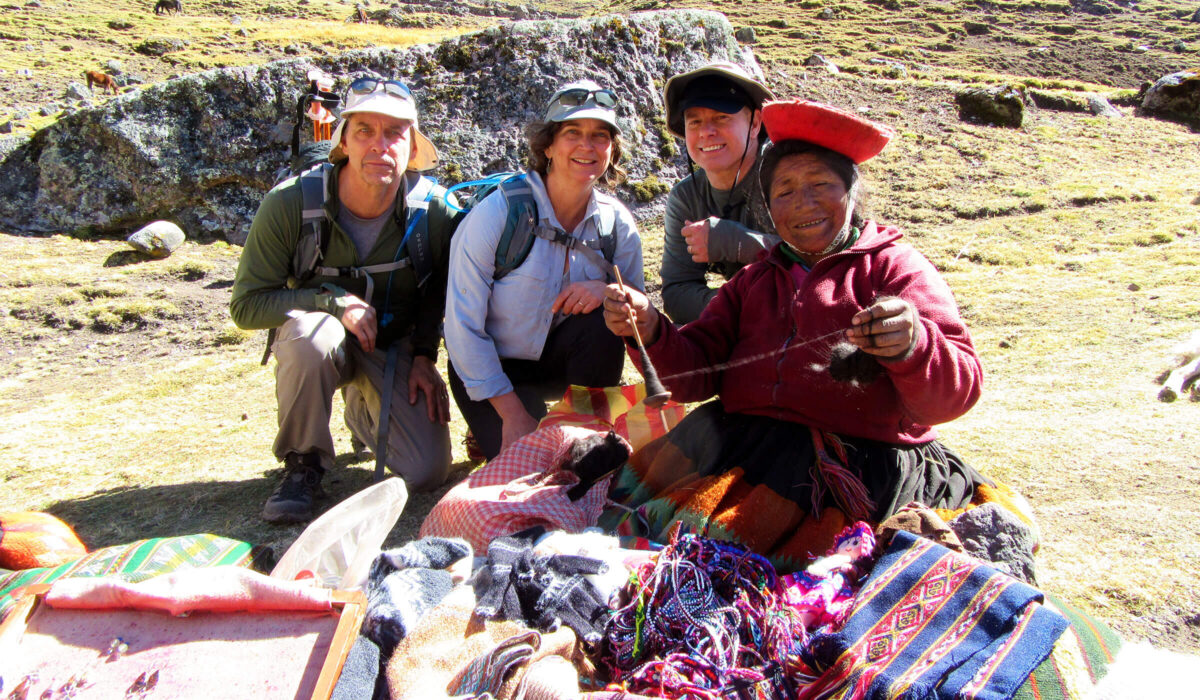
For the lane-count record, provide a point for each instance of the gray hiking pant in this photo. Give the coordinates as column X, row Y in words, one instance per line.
column 314, row 358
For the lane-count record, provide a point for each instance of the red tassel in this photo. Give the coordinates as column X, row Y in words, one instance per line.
column 847, row 488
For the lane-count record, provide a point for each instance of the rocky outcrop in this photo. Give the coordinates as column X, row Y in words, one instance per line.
column 996, row 106
column 1176, row 97
column 201, row 150
column 1099, row 8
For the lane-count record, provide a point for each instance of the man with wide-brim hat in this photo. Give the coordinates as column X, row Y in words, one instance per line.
column 716, row 220
column 346, row 263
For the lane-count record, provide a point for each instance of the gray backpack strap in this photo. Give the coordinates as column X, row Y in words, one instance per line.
column 416, row 238
column 314, row 225
column 385, row 412
column 607, row 233
column 594, row 252
column 521, row 216
column 364, row 272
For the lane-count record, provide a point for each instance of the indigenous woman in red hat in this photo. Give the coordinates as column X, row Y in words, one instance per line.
column 831, row 360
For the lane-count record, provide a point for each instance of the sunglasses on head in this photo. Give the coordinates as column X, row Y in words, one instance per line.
column 366, row 86
column 578, row 96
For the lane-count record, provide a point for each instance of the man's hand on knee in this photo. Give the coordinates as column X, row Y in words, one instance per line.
column 424, row 377
column 359, row 318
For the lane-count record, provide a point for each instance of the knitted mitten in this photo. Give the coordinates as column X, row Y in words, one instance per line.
column 570, row 598
column 404, row 583
column 428, row 553
column 395, row 605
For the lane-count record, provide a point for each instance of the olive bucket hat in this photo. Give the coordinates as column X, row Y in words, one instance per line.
column 723, row 86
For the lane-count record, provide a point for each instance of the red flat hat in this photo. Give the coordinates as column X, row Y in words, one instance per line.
column 838, row 130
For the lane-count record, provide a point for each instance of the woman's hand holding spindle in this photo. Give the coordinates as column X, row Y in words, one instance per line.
column 619, row 301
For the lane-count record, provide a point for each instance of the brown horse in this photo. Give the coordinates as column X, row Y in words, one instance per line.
column 105, row 81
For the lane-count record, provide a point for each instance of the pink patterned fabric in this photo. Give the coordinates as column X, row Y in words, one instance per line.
column 823, row 594
column 219, row 589
column 521, row 488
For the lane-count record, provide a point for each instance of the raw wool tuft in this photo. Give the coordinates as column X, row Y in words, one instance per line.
column 851, row 365
column 592, row 458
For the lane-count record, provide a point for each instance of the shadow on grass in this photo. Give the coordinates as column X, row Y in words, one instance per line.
column 226, row 508
column 122, row 258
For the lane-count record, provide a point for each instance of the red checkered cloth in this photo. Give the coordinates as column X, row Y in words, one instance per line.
column 524, row 485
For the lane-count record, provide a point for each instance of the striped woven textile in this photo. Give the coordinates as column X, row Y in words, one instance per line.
column 134, row 562
column 619, row 409
column 1081, row 657
column 932, row 623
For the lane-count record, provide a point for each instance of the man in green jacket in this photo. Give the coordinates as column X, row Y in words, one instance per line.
column 716, row 219
column 369, row 307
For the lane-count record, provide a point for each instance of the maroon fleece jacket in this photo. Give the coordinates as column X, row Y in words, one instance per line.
column 762, row 311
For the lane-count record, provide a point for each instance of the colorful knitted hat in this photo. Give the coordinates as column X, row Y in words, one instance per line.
column 838, row 130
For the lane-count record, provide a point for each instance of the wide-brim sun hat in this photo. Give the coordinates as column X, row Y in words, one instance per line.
column 720, row 85
column 557, row 110
column 855, row 137
column 424, row 155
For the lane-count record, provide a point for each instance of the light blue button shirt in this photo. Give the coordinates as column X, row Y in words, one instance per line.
column 510, row 318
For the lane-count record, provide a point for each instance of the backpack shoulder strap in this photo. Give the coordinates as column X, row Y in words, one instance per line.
column 607, row 233
column 416, row 234
column 520, row 225
column 313, row 242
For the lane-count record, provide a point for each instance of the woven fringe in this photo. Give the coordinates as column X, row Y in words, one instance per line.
column 844, row 485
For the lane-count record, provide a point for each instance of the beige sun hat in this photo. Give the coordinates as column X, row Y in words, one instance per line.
column 723, row 86
column 394, row 100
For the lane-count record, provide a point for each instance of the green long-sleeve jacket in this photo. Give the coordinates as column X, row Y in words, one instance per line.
column 733, row 241
column 266, row 288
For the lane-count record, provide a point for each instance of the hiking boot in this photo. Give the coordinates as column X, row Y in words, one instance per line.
column 292, row 500
column 360, row 450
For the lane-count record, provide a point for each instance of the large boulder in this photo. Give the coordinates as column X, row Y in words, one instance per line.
column 994, row 534
column 996, row 106
column 202, row 149
column 1176, row 96
column 1101, row 107
column 1096, row 7
column 157, row 239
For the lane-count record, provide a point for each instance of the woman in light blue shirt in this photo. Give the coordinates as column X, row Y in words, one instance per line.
column 518, row 339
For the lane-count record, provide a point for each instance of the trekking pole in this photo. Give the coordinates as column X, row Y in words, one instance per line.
column 656, row 393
